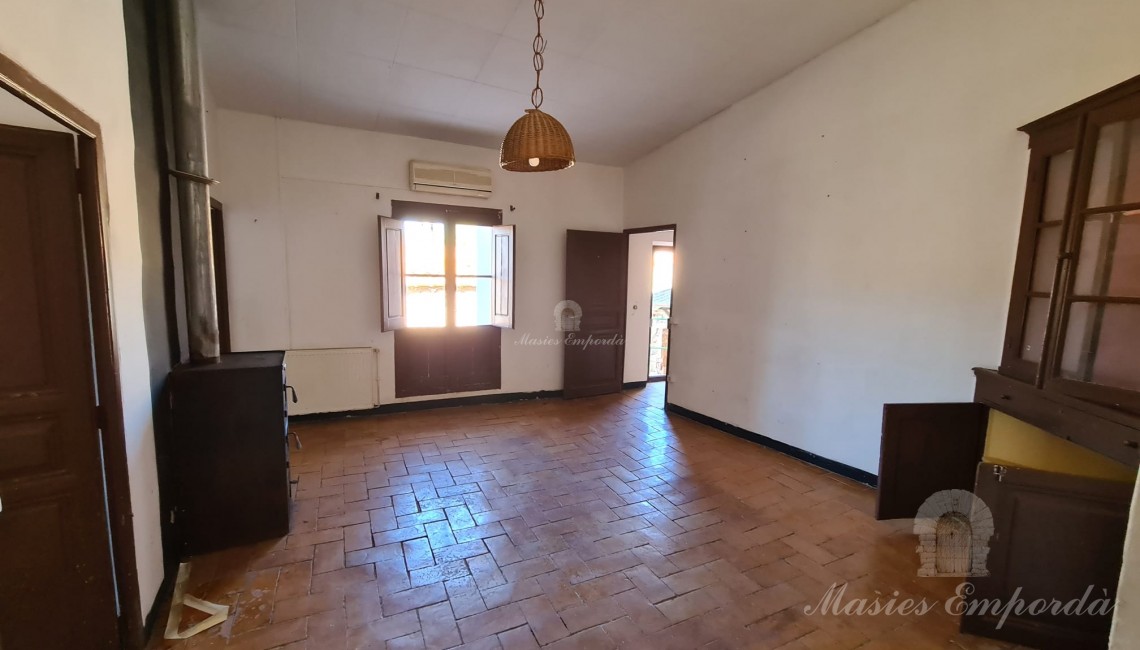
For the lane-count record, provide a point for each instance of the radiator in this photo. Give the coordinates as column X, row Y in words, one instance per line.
column 331, row 381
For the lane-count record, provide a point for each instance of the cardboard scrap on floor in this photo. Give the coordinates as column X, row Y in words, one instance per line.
column 218, row 613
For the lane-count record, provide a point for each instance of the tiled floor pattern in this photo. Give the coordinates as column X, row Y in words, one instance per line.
column 596, row 523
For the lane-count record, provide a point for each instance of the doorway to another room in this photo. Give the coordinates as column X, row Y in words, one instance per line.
column 660, row 304
column 648, row 312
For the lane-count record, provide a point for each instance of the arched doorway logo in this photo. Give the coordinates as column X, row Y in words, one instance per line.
column 567, row 316
column 954, row 528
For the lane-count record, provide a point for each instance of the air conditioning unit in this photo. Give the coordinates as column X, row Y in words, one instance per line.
column 449, row 179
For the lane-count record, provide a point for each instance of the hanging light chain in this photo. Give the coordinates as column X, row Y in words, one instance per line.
column 537, row 142
column 539, row 49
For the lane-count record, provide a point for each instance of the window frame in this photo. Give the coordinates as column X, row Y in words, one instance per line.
column 1078, row 127
column 450, row 216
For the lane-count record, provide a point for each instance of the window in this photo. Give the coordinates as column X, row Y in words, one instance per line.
column 1074, row 319
column 447, row 283
column 474, row 277
column 425, row 273
column 436, row 297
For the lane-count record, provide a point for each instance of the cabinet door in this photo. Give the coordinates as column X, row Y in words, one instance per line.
column 1055, row 537
column 927, row 448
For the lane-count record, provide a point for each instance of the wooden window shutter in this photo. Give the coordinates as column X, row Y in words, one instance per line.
column 503, row 314
column 393, row 295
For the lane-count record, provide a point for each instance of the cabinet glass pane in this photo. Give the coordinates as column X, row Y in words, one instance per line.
column 1101, row 345
column 473, row 301
column 1045, row 257
column 427, row 301
column 1116, row 165
column 1057, row 186
column 423, row 248
column 1033, row 336
column 1109, row 261
column 473, row 252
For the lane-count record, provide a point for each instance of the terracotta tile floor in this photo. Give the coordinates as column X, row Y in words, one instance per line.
column 596, row 523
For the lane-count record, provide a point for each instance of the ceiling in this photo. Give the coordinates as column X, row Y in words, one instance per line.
column 624, row 76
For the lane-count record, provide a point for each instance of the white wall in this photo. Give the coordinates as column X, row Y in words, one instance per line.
column 848, row 233
column 78, row 48
column 638, row 309
column 302, row 258
column 1126, row 621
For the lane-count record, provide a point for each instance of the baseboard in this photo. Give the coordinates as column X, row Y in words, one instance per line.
column 833, row 466
column 656, row 379
column 425, row 405
column 165, row 591
column 631, row 385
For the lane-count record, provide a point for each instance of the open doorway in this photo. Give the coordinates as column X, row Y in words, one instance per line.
column 660, row 306
column 648, row 312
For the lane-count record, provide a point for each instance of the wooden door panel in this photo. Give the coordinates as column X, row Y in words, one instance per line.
column 927, row 448
column 592, row 365
column 435, row 361
column 473, row 358
column 35, row 533
column 596, row 272
column 420, row 362
column 29, row 447
column 22, row 346
column 54, row 541
column 1055, row 536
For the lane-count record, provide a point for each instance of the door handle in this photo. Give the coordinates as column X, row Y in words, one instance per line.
column 292, row 390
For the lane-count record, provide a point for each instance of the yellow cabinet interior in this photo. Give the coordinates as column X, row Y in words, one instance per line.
column 1011, row 442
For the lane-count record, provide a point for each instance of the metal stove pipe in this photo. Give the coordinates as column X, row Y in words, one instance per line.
column 190, row 171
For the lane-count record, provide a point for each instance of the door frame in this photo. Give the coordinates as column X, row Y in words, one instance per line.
column 672, row 297
column 93, row 200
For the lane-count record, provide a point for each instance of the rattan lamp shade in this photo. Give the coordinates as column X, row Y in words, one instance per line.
column 536, row 135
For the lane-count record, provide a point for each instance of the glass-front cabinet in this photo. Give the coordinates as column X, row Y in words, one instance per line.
column 1074, row 319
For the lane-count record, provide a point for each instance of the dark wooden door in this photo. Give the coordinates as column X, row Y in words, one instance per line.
column 1055, row 537
column 221, row 281
column 927, row 448
column 594, row 343
column 56, row 586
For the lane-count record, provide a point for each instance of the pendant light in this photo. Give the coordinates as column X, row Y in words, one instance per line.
column 537, row 142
